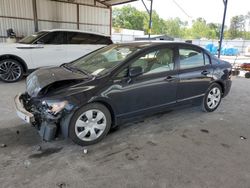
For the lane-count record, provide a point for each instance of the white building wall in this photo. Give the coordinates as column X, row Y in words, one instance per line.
column 10, row 11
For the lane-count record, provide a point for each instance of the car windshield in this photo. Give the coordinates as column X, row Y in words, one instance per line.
column 105, row 59
column 30, row 39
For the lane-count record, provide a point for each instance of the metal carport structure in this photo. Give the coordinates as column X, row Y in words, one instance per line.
column 28, row 16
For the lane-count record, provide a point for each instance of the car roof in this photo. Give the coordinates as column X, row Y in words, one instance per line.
column 75, row 30
column 148, row 43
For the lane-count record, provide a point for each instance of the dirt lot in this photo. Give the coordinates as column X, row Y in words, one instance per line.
column 183, row 148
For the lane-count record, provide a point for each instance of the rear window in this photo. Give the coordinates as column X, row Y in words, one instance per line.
column 190, row 58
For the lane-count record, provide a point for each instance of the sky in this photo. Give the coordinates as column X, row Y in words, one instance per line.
column 211, row 10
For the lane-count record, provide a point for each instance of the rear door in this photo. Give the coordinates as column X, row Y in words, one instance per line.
column 195, row 73
column 80, row 44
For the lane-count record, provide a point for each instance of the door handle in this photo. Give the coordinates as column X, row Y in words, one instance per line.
column 205, row 72
column 170, row 78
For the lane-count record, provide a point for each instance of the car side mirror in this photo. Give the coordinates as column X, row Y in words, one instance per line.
column 135, row 71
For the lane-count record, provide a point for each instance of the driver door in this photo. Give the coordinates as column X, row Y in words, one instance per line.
column 153, row 90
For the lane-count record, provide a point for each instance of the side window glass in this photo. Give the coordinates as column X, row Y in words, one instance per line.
column 104, row 40
column 156, row 61
column 52, row 38
column 78, row 38
column 207, row 59
column 190, row 58
column 84, row 38
column 94, row 39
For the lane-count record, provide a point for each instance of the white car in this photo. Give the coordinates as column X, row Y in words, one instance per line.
column 46, row 48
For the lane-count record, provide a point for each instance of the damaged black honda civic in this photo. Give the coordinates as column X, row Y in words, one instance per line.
column 85, row 98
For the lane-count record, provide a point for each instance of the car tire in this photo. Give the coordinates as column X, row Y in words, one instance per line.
column 90, row 124
column 212, row 98
column 247, row 75
column 11, row 70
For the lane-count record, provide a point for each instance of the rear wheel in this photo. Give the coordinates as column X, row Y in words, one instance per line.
column 90, row 124
column 212, row 98
column 10, row 70
column 247, row 75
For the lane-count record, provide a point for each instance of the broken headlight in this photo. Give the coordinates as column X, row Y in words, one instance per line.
column 54, row 107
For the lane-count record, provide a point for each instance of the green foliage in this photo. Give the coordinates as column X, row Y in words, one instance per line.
column 199, row 28
column 237, row 25
column 174, row 27
column 130, row 18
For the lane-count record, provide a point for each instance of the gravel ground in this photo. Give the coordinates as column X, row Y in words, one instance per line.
column 182, row 148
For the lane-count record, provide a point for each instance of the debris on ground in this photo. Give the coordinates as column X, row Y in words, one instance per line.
column 204, row 130
column 85, row 151
column 61, row 184
column 17, row 132
column 243, row 138
column 27, row 163
column 3, row 145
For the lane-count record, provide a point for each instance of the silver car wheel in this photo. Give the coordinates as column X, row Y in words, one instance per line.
column 10, row 70
column 90, row 125
column 213, row 98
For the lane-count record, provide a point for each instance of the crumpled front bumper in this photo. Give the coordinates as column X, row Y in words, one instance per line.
column 47, row 130
column 21, row 111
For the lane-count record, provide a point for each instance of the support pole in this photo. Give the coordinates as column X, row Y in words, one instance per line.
column 145, row 6
column 150, row 16
column 78, row 16
column 35, row 15
column 150, row 19
column 222, row 27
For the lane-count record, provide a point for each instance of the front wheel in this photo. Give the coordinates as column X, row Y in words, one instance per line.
column 90, row 124
column 10, row 70
column 212, row 98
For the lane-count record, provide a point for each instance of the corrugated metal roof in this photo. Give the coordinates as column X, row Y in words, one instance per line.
column 114, row 2
column 101, row 3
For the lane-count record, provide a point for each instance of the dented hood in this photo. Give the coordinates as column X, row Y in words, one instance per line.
column 46, row 76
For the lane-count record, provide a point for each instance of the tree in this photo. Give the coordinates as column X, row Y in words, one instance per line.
column 158, row 24
column 131, row 18
column 174, row 27
column 247, row 17
column 214, row 30
column 128, row 17
column 199, row 28
column 237, row 26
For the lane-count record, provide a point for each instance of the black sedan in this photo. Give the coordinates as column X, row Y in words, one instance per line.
column 85, row 98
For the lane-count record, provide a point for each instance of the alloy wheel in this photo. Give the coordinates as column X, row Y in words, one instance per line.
column 10, row 71
column 213, row 98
